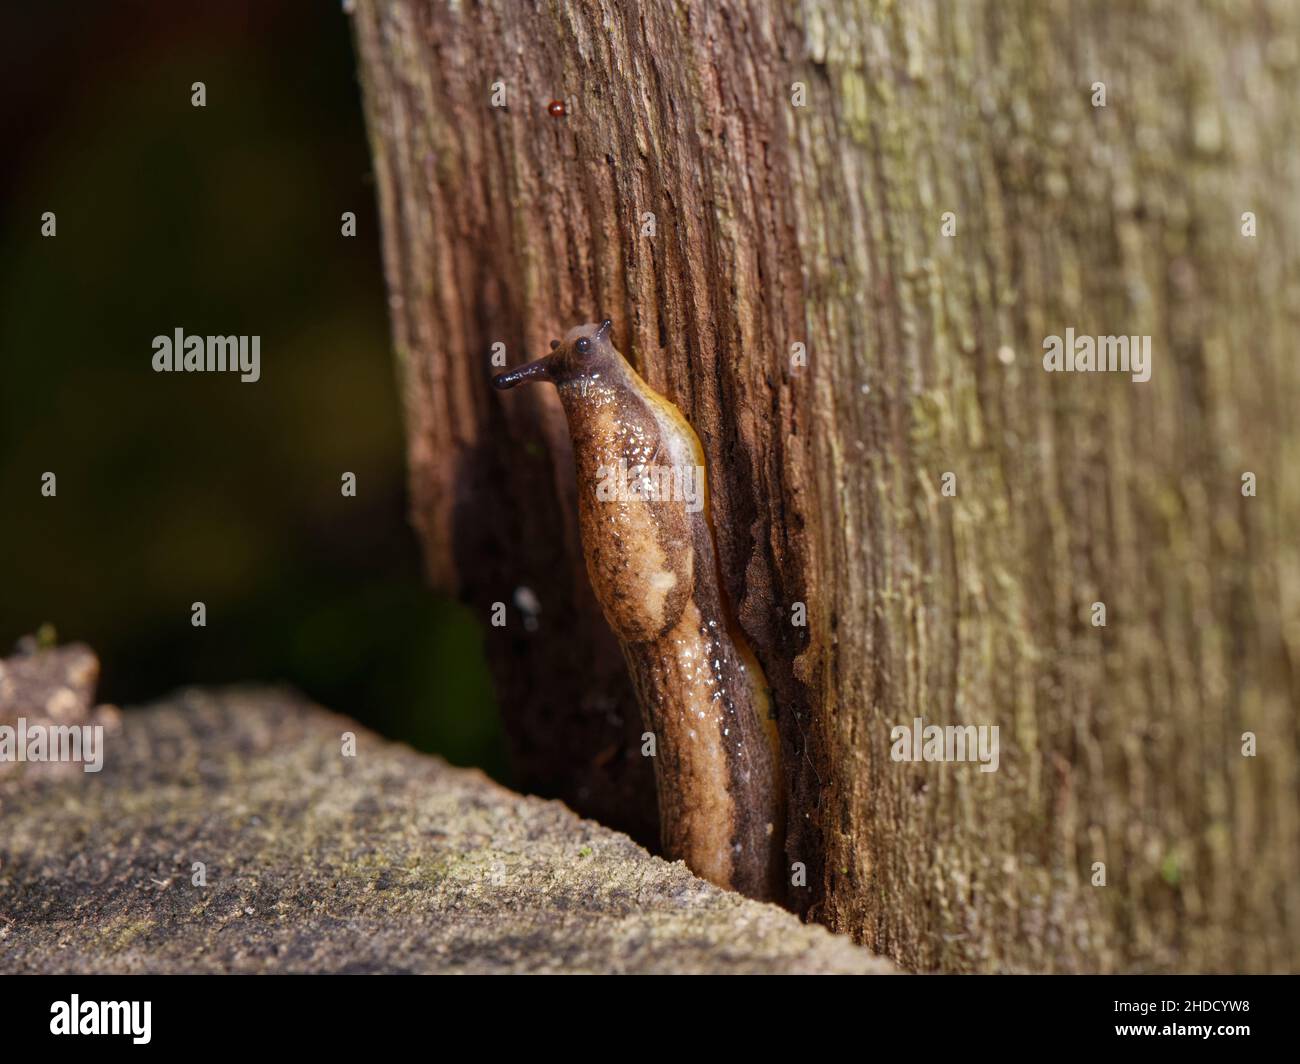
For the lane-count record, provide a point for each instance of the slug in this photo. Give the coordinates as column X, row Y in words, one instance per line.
column 648, row 541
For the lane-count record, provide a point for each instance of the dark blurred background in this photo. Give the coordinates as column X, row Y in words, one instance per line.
column 176, row 488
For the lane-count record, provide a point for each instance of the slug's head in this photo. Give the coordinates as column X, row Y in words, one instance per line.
column 585, row 354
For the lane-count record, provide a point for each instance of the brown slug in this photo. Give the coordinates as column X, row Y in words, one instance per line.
column 648, row 540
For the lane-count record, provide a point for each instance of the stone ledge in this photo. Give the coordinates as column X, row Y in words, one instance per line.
column 389, row 861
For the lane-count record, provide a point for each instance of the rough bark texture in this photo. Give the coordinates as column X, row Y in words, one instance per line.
column 389, row 861
column 822, row 224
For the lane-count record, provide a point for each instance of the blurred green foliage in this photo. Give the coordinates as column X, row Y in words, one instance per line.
column 176, row 488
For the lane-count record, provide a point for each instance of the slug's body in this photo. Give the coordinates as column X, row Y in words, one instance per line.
column 653, row 568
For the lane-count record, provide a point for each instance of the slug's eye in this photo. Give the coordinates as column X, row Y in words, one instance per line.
column 582, row 344
column 555, row 344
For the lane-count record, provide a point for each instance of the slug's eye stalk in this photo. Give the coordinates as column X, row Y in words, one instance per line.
column 582, row 345
column 555, row 344
column 533, row 371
